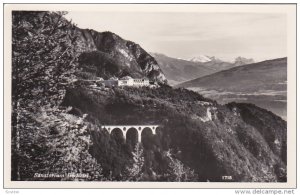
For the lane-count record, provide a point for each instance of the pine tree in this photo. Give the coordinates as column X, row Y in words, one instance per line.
column 135, row 173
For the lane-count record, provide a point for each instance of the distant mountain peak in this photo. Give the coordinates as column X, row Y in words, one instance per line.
column 243, row 61
column 215, row 59
column 201, row 58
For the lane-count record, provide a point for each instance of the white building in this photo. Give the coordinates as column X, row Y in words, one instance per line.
column 128, row 81
column 133, row 82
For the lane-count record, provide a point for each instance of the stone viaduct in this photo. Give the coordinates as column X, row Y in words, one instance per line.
column 125, row 128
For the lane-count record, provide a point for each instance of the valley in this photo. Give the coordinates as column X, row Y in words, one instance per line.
column 263, row 84
column 274, row 101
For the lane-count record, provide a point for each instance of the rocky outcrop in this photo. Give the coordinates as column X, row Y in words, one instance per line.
column 105, row 54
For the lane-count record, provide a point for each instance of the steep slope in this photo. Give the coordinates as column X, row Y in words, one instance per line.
column 211, row 139
column 274, row 134
column 263, row 84
column 108, row 55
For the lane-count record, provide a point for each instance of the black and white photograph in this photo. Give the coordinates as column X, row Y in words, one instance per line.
column 165, row 94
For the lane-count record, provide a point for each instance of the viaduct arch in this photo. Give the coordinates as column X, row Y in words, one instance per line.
column 125, row 128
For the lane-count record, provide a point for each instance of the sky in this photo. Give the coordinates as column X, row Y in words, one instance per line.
column 185, row 35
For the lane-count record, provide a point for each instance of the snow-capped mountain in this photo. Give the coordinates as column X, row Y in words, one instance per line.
column 200, row 58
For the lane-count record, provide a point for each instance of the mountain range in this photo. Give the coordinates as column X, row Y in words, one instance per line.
column 237, row 61
column 181, row 70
